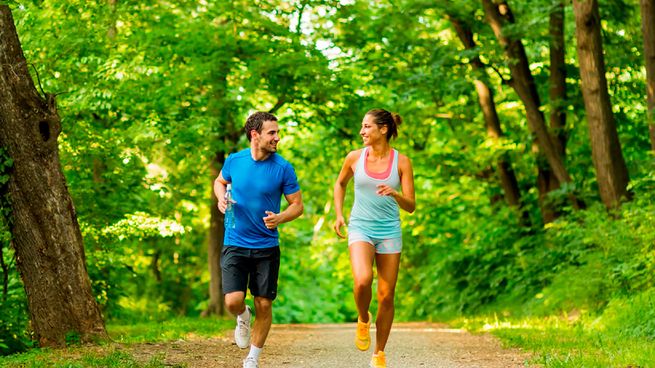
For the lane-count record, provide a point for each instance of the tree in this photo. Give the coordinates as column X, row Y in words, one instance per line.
column 611, row 170
column 46, row 235
column 648, row 29
column 498, row 15
column 546, row 181
column 504, row 168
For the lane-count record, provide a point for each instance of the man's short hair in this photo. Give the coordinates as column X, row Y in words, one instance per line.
column 255, row 122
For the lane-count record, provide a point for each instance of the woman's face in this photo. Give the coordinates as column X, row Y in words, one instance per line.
column 371, row 132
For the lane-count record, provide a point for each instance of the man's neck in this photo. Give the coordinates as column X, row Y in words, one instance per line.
column 259, row 155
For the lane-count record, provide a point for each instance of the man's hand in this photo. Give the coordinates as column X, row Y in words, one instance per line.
column 272, row 220
column 222, row 204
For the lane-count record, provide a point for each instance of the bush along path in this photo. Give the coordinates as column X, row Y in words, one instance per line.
column 331, row 345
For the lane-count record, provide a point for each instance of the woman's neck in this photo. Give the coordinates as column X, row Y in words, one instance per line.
column 379, row 151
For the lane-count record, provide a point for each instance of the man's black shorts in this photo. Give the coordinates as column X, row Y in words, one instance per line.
column 257, row 269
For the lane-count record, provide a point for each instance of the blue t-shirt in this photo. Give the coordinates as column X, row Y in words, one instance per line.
column 257, row 186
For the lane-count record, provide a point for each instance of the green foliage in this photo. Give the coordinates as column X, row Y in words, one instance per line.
column 573, row 342
column 14, row 320
column 167, row 329
column 115, row 355
column 152, row 97
column 632, row 317
column 114, row 358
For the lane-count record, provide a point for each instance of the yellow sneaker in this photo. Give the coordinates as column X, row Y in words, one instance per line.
column 363, row 336
column 378, row 360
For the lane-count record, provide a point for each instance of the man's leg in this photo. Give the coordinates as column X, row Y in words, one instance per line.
column 264, row 313
column 234, row 302
column 235, row 269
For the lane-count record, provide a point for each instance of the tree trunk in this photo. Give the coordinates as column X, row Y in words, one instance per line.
column 112, row 31
column 648, row 29
column 46, row 236
column 214, row 247
column 546, row 179
column 228, row 139
column 557, row 79
column 523, row 83
column 505, row 171
column 611, row 171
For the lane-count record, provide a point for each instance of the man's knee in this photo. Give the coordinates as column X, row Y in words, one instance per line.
column 263, row 305
column 234, row 302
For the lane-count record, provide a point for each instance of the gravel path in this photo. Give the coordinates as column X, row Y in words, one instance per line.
column 330, row 345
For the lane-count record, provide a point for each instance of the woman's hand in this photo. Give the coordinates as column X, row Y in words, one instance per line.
column 338, row 223
column 385, row 190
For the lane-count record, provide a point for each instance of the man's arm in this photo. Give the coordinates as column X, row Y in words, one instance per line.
column 292, row 212
column 219, row 191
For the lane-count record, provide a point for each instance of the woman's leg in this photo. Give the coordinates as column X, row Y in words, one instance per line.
column 361, row 261
column 387, row 266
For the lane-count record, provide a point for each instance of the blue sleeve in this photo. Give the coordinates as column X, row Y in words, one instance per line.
column 290, row 184
column 225, row 171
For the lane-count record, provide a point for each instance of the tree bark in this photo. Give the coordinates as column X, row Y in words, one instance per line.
column 112, row 30
column 557, row 79
column 46, row 236
column 648, row 30
column 508, row 180
column 546, row 179
column 214, row 246
column 228, row 138
column 497, row 15
column 611, row 171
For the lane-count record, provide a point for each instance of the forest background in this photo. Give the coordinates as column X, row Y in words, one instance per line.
column 533, row 162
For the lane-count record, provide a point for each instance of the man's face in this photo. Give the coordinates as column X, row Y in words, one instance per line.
column 267, row 140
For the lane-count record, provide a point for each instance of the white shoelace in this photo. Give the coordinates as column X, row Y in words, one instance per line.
column 243, row 327
column 250, row 360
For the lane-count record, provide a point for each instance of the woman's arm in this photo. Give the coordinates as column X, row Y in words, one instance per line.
column 406, row 199
column 339, row 192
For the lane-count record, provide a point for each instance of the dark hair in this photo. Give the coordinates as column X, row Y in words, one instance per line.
column 390, row 119
column 256, row 121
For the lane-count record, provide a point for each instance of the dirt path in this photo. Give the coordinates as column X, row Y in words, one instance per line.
column 330, row 345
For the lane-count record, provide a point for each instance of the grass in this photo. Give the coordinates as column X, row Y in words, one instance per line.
column 583, row 341
column 560, row 342
column 113, row 355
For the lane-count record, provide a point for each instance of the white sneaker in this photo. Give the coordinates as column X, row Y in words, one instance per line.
column 242, row 332
column 250, row 363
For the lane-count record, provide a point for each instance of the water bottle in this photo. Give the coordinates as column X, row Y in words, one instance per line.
column 229, row 210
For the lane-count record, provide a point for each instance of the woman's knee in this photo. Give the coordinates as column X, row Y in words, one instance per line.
column 386, row 297
column 363, row 282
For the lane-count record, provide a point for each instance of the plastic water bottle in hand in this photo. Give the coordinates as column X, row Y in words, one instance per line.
column 229, row 210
